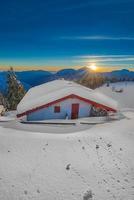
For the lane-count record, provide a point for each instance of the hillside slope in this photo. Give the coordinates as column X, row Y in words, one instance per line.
column 126, row 98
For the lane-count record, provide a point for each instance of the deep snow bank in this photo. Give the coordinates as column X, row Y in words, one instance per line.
column 41, row 166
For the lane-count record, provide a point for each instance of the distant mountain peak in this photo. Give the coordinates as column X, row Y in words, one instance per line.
column 125, row 70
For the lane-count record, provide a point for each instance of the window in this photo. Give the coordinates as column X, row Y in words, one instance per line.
column 57, row 109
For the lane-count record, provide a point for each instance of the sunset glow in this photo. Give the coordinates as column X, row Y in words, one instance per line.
column 54, row 35
column 93, row 67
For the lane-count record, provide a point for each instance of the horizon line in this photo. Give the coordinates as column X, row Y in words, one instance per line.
column 58, row 68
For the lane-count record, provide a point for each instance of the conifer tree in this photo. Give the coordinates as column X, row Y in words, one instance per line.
column 3, row 100
column 92, row 80
column 15, row 91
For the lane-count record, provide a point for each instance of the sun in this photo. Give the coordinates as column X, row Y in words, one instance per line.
column 93, row 67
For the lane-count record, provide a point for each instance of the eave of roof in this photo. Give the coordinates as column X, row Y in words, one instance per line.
column 64, row 98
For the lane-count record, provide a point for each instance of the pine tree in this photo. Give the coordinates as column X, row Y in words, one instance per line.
column 3, row 100
column 15, row 90
column 92, row 80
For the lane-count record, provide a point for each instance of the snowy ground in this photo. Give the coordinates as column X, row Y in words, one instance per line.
column 126, row 98
column 91, row 163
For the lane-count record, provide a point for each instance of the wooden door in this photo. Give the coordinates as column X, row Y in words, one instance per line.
column 75, row 111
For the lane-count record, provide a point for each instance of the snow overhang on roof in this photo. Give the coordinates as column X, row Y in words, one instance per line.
column 48, row 93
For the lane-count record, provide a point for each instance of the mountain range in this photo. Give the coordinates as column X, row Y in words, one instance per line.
column 33, row 78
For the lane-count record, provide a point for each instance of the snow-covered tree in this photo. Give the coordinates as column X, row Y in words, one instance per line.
column 15, row 91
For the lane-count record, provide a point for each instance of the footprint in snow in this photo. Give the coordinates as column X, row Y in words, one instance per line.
column 38, row 191
column 68, row 167
column 97, row 146
column 109, row 145
column 88, row 195
column 25, row 192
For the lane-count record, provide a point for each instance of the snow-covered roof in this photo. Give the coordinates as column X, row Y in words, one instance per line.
column 54, row 90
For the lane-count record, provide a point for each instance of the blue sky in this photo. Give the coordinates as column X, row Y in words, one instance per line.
column 67, row 33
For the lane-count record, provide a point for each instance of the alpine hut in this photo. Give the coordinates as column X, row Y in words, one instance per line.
column 61, row 99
